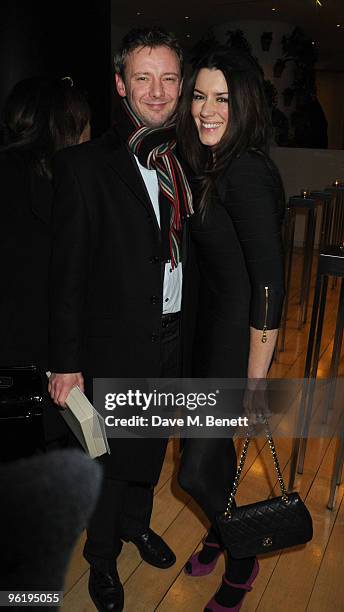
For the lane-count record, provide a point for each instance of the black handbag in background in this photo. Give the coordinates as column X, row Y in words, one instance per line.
column 268, row 525
column 21, row 411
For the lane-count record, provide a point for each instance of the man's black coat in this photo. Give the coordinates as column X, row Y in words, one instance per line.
column 107, row 281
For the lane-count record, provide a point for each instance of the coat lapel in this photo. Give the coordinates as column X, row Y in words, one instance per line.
column 123, row 164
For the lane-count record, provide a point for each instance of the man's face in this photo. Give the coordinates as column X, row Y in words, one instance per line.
column 152, row 84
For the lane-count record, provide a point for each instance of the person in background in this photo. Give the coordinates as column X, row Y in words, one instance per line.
column 224, row 128
column 41, row 116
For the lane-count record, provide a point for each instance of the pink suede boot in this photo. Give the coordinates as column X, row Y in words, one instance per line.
column 213, row 606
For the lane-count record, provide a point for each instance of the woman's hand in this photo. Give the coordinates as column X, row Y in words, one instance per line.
column 256, row 404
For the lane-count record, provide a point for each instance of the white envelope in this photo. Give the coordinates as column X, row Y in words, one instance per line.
column 85, row 422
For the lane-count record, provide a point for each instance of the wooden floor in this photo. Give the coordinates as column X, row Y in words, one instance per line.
column 310, row 578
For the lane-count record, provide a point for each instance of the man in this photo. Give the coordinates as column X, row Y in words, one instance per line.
column 117, row 281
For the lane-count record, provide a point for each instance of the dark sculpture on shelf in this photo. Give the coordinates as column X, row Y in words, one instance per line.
column 238, row 40
column 266, row 40
column 309, row 123
column 288, row 95
column 308, row 118
column 279, row 68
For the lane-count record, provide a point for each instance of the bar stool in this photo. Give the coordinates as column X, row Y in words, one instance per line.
column 325, row 200
column 331, row 263
column 296, row 204
column 337, row 225
column 337, row 233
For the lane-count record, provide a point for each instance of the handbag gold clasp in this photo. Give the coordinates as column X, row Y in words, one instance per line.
column 267, row 542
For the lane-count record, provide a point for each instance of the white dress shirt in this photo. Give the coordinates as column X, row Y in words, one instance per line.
column 172, row 292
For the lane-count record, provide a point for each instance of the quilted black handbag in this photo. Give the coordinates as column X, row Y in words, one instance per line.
column 21, row 392
column 21, row 410
column 268, row 525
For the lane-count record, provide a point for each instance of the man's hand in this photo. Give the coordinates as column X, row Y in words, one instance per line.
column 61, row 384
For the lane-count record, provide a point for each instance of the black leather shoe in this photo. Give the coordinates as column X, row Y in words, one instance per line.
column 153, row 549
column 106, row 590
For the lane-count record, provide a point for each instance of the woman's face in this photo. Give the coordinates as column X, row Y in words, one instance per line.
column 209, row 106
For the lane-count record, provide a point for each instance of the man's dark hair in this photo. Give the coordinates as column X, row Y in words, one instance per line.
column 146, row 37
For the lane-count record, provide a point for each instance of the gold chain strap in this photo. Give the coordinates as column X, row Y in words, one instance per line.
column 242, row 459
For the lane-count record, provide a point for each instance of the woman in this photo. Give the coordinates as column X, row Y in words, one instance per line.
column 224, row 127
column 41, row 116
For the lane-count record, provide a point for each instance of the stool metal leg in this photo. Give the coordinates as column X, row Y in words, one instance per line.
column 309, row 405
column 337, row 345
column 307, row 265
column 338, row 466
column 335, row 224
column 329, row 220
column 293, row 462
column 310, row 250
column 289, row 243
column 305, row 258
column 341, row 218
column 309, row 356
column 341, row 221
column 324, row 225
column 295, row 451
column 326, row 222
column 335, row 228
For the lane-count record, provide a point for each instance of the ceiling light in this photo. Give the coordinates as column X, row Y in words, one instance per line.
column 186, row 17
column 338, row 25
column 274, row 9
column 138, row 13
column 188, row 35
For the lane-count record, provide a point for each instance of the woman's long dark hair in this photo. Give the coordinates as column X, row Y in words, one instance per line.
column 249, row 124
column 42, row 115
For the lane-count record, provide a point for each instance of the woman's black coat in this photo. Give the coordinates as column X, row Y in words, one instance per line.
column 26, row 202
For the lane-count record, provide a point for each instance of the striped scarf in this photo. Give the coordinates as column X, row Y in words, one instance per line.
column 155, row 150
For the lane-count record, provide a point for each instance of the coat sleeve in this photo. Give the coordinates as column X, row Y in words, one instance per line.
column 69, row 270
column 255, row 201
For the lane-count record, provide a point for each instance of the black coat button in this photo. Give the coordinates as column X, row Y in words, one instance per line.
column 155, row 337
column 154, row 299
column 154, row 259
